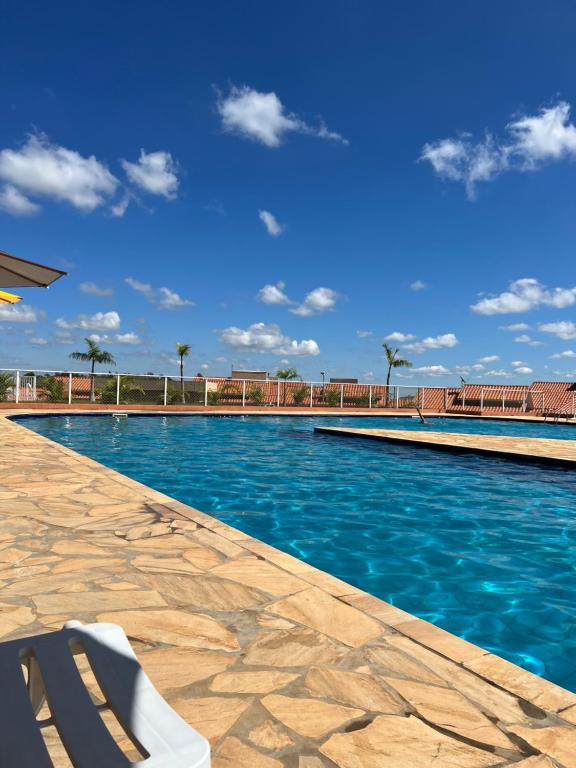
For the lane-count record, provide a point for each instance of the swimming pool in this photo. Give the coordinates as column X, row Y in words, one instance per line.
column 481, row 546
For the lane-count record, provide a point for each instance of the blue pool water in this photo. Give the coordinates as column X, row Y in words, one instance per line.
column 484, row 547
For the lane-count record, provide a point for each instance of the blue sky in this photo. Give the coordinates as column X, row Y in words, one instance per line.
column 296, row 182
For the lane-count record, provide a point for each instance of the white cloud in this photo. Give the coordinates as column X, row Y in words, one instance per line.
column 546, row 136
column 302, row 348
column 418, row 285
column 514, row 327
column 432, row 370
column 165, row 298
column 368, row 376
column 262, row 117
column 364, row 334
column 21, row 313
column 117, row 338
column 204, row 366
column 489, row 359
column 119, row 209
column 171, row 300
column 566, row 353
column 38, row 341
column 399, row 337
column 127, row 338
column 14, row 202
column 262, row 337
column 317, row 301
column 273, row 294
column 42, row 169
column 524, row 295
column 463, row 160
column 517, row 363
column 525, row 339
column 564, row 329
column 96, row 290
column 155, row 173
column 144, row 288
column 444, row 340
column 63, row 337
column 531, row 140
column 466, row 369
column 523, row 369
column 501, row 374
column 100, row 321
column 270, row 222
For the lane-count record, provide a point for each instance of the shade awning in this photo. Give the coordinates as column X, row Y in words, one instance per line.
column 9, row 298
column 19, row 273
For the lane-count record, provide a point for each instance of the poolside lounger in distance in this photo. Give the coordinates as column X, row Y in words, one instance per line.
column 165, row 740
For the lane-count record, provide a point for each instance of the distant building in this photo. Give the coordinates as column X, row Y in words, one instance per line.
column 253, row 375
column 343, row 381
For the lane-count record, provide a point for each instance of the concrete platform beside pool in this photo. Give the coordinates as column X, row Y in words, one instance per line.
column 279, row 664
column 523, row 448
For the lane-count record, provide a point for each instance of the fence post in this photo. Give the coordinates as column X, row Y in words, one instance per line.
column 311, row 394
column 165, row 390
column 17, row 395
column 278, row 394
column 244, row 393
column 118, row 389
column 423, row 395
column 524, row 399
column 397, row 396
column 341, row 396
column 34, row 387
column 205, row 392
column 370, row 396
column 481, row 399
column 503, row 400
column 69, row 389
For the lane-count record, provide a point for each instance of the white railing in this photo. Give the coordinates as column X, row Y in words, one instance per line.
column 116, row 389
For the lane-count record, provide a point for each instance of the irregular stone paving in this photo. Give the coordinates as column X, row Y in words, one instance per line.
column 278, row 664
column 525, row 448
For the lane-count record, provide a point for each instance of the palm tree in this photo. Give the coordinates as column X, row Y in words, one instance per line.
column 393, row 362
column 288, row 374
column 183, row 350
column 93, row 355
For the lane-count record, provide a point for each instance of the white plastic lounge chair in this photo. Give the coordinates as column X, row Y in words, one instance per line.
column 153, row 726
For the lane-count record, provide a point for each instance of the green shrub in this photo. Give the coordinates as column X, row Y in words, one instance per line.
column 54, row 389
column 361, row 401
column 299, row 395
column 6, row 383
column 332, row 397
column 255, row 395
column 213, row 397
column 129, row 391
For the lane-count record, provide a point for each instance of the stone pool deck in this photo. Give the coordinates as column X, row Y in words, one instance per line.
column 537, row 449
column 278, row 664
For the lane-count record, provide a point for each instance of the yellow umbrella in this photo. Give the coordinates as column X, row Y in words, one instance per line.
column 9, row 298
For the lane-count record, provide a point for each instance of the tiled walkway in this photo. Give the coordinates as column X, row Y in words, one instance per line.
column 526, row 448
column 278, row 664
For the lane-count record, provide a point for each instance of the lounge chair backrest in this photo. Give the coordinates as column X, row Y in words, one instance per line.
column 160, row 735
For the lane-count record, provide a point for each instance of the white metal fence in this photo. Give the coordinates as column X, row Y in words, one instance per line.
column 117, row 389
